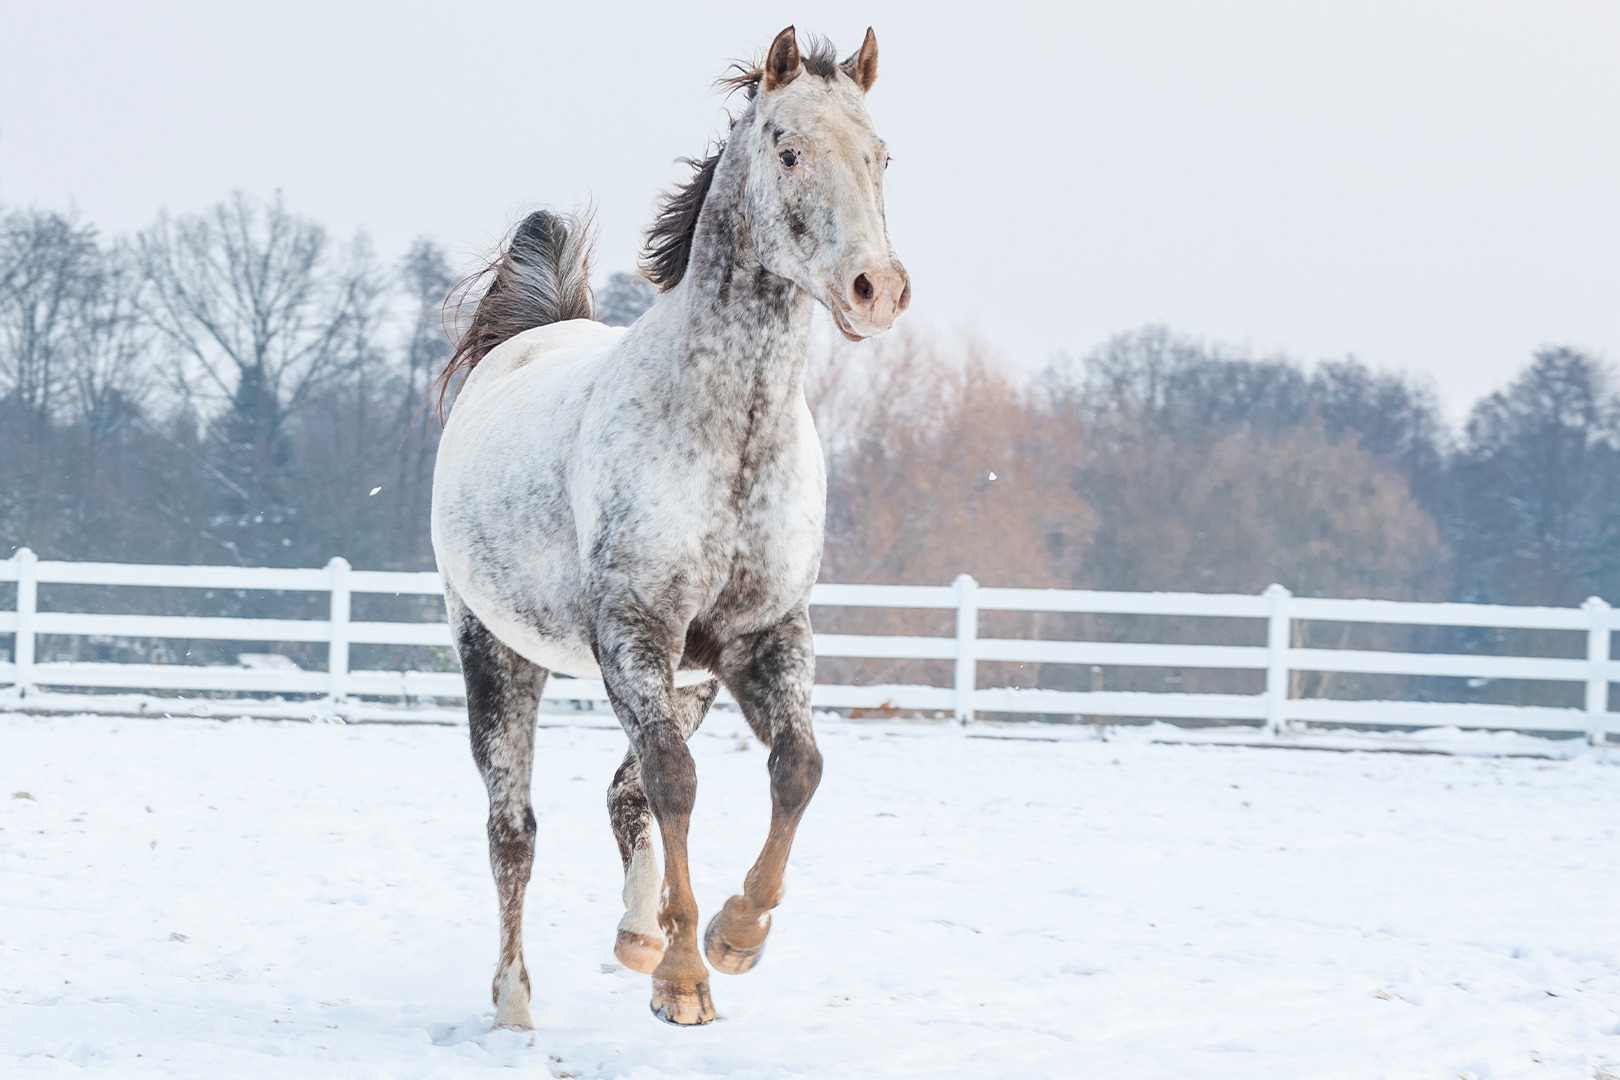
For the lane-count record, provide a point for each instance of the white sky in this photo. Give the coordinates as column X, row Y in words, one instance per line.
column 1427, row 185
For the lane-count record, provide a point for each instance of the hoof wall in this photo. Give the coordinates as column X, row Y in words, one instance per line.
column 638, row 952
column 512, row 1026
column 681, row 1003
column 727, row 958
column 516, row 1019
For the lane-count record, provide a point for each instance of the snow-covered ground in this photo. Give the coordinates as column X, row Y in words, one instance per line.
column 250, row 899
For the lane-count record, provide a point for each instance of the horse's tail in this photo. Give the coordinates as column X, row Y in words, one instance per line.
column 542, row 275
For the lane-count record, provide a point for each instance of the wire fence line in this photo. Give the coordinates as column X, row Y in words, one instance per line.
column 966, row 654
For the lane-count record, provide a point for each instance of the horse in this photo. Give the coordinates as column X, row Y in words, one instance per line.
column 645, row 505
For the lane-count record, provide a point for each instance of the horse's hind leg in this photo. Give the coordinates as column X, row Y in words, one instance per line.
column 770, row 675
column 503, row 695
column 640, row 943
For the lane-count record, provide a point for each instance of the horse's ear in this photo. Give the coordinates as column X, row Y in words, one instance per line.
column 782, row 64
column 862, row 66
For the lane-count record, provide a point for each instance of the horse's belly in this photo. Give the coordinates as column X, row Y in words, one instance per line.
column 550, row 646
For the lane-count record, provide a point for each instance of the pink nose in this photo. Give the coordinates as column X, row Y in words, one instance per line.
column 879, row 294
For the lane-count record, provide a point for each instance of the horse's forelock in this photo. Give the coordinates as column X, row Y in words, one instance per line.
column 818, row 57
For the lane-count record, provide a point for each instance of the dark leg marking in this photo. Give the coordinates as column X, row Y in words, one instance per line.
column 633, row 649
column 503, row 696
column 639, row 943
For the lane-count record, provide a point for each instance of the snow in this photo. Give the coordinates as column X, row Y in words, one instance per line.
column 200, row 898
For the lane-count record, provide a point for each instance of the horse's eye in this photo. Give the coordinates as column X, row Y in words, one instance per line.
column 789, row 158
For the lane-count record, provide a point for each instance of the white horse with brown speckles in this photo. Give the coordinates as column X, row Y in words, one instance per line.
column 646, row 505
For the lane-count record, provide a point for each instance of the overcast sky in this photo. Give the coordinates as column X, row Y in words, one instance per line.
column 1430, row 186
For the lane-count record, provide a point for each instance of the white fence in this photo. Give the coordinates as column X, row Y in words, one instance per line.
column 1273, row 708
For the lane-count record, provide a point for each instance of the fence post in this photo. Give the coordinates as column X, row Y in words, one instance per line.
column 967, row 636
column 1597, row 677
column 22, row 653
column 1278, row 641
column 337, row 657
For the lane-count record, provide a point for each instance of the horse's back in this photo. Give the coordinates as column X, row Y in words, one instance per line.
column 521, row 405
column 539, row 352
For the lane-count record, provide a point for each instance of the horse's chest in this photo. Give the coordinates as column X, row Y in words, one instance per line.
column 767, row 551
column 767, row 576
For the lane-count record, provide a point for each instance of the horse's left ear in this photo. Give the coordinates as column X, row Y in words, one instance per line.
column 862, row 65
column 782, row 63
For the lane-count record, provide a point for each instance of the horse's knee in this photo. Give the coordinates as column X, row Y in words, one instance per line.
column 669, row 777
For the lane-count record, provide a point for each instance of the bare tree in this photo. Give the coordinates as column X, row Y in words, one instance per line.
column 260, row 315
column 63, row 303
column 50, row 271
column 1161, row 378
column 428, row 280
column 940, row 464
column 1393, row 417
column 111, row 375
column 248, row 291
column 1322, row 517
column 364, row 446
column 1152, row 380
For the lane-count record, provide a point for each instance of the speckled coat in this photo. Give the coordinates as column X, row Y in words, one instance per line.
column 646, row 505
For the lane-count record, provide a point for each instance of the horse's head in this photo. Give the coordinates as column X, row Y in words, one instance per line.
column 815, row 186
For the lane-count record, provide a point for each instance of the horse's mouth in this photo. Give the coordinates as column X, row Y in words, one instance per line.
column 841, row 321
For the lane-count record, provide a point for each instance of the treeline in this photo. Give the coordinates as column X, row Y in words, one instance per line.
column 223, row 388
column 239, row 387
column 1159, row 462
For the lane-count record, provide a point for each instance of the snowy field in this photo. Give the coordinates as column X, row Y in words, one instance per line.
column 250, row 899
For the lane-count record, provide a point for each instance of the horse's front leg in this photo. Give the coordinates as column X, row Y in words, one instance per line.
column 639, row 944
column 634, row 655
column 770, row 675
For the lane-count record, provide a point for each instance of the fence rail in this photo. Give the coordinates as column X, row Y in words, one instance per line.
column 1277, row 660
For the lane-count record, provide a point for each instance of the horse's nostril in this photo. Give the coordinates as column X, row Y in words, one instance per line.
column 863, row 289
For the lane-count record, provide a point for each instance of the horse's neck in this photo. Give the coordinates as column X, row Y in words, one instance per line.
column 745, row 333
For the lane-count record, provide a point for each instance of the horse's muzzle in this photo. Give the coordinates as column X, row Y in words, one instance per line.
column 874, row 298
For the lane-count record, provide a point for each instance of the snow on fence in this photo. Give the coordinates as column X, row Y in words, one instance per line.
column 1272, row 709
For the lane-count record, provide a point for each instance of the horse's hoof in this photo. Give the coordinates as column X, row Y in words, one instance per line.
column 726, row 958
column 510, row 992
column 682, row 1003
column 516, row 1018
column 638, row 952
column 515, row 1026
column 726, row 953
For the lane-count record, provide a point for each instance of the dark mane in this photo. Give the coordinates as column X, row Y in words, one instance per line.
column 669, row 241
